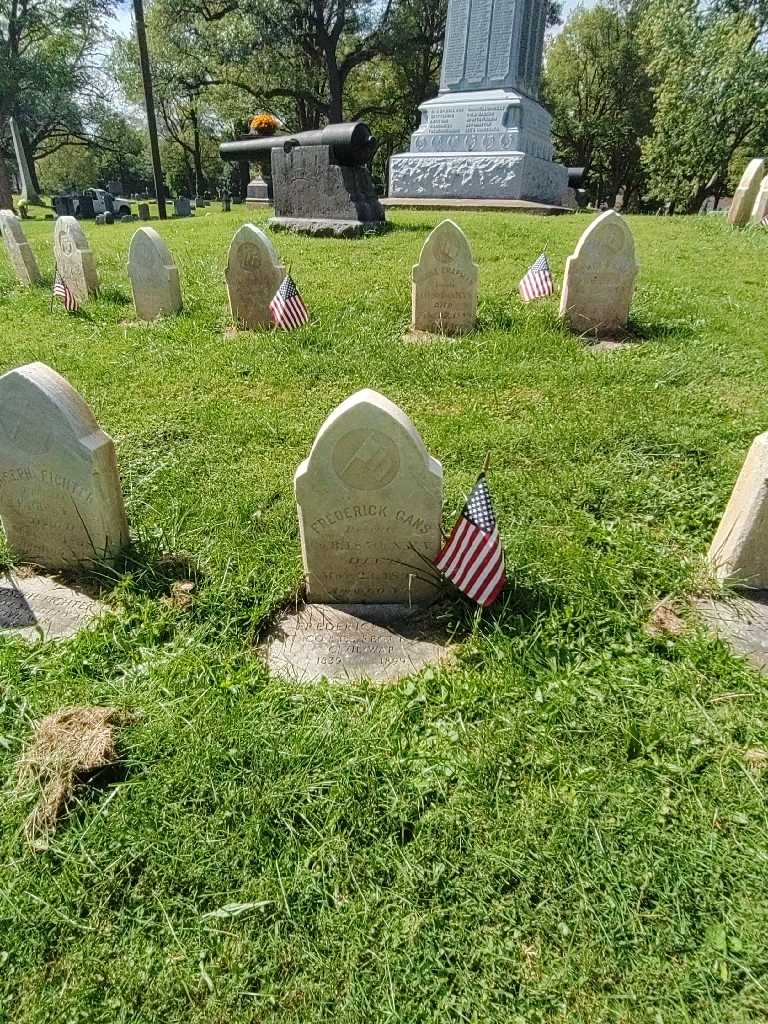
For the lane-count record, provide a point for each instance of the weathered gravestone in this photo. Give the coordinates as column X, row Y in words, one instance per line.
column 760, row 207
column 21, row 256
column 739, row 550
column 369, row 500
column 182, row 207
column 254, row 273
column 38, row 608
column 154, row 276
column 745, row 194
column 74, row 260
column 600, row 277
column 143, row 211
column 444, row 283
column 60, row 498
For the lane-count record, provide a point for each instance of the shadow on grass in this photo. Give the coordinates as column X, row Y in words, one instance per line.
column 115, row 296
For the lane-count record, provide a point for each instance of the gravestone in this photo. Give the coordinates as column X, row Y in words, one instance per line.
column 760, row 207
column 739, row 550
column 745, row 194
column 444, row 283
column 254, row 273
column 28, row 190
column 225, row 204
column 369, row 500
column 19, row 252
column 60, row 499
column 143, row 211
column 154, row 276
column 38, row 608
column 257, row 193
column 182, row 207
column 74, row 260
column 485, row 136
column 600, row 277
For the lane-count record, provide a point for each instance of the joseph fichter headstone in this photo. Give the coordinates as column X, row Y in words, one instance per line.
column 485, row 136
column 60, row 499
column 19, row 252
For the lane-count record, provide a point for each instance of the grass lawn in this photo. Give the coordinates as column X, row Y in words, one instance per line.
column 567, row 824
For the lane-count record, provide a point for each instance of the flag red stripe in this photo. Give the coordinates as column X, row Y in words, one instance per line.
column 446, row 555
column 494, row 588
column 484, row 550
column 482, row 568
column 460, row 550
column 470, row 556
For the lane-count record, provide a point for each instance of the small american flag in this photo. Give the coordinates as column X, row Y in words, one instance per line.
column 472, row 558
column 62, row 292
column 287, row 309
column 537, row 281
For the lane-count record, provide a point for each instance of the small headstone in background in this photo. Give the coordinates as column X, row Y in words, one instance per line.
column 182, row 207
column 74, row 259
column 19, row 252
column 739, row 550
column 143, row 211
column 225, row 204
column 745, row 194
column 101, row 219
column 760, row 207
column 60, row 501
column 600, row 277
column 254, row 273
column 126, row 218
column 154, row 276
column 369, row 501
column 444, row 283
column 109, row 217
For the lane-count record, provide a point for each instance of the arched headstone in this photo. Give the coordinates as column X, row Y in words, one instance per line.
column 254, row 273
column 154, row 277
column 739, row 550
column 369, row 500
column 21, row 256
column 760, row 207
column 745, row 194
column 74, row 260
column 600, row 277
column 444, row 283
column 60, row 498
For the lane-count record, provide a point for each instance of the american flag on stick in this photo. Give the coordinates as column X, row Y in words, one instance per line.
column 62, row 292
column 537, row 282
column 472, row 558
column 287, row 309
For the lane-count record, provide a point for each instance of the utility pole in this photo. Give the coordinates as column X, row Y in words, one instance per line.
column 149, row 103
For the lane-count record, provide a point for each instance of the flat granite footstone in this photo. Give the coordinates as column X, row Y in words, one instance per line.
column 153, row 275
column 600, row 277
column 60, row 498
column 253, row 275
column 741, row 620
column 75, row 262
column 444, row 283
column 39, row 608
column 744, row 197
column 344, row 643
column 369, row 502
column 19, row 252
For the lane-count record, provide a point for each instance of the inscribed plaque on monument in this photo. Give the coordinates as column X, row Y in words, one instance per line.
column 60, row 498
column 444, row 283
column 369, row 500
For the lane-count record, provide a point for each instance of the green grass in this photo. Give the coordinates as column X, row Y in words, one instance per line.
column 560, row 827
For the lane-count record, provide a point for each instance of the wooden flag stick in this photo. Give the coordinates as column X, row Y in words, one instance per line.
column 487, row 463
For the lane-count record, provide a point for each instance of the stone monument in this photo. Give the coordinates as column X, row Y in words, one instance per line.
column 28, row 190
column 182, row 207
column 369, row 499
column 739, row 550
column 154, row 277
column 600, row 277
column 19, row 252
column 485, row 135
column 74, row 260
column 60, row 499
column 254, row 273
column 760, row 207
column 745, row 195
column 444, row 283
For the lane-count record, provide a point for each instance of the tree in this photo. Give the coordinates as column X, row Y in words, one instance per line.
column 597, row 88
column 710, row 80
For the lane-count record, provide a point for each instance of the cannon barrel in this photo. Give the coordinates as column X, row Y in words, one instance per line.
column 351, row 142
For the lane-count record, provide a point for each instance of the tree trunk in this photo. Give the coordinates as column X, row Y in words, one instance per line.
column 6, row 198
column 196, row 155
column 335, row 90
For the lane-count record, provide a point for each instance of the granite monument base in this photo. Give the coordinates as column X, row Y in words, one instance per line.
column 477, row 176
column 347, row 643
column 322, row 228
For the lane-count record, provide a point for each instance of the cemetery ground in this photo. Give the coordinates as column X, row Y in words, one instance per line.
column 568, row 822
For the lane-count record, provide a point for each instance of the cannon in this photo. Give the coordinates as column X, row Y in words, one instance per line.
column 320, row 183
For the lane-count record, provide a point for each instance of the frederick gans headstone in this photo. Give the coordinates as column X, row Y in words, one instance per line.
column 60, row 498
column 154, row 277
column 74, row 260
column 444, row 283
column 21, row 256
column 369, row 499
column 600, row 277
column 745, row 194
column 254, row 273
